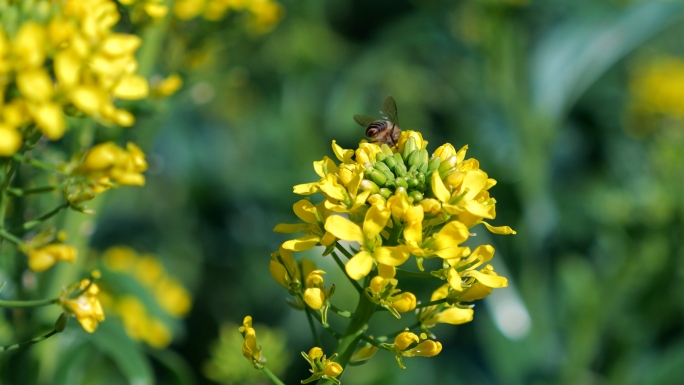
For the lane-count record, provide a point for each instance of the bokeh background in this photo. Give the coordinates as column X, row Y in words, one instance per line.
column 575, row 107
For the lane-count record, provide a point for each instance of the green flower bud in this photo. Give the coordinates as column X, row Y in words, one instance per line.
column 398, row 158
column 367, row 172
column 61, row 322
column 386, row 150
column 433, row 164
column 409, row 147
column 424, row 157
column 421, row 178
column 390, row 162
column 379, row 178
column 385, row 193
column 423, row 168
column 401, row 182
column 447, row 164
column 390, row 184
column 369, row 185
column 400, row 169
column 420, row 187
column 416, row 195
column 379, row 157
column 412, row 182
column 380, row 166
column 443, row 174
column 414, row 159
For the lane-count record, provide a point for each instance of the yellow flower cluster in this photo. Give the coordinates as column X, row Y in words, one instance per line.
column 658, row 87
column 263, row 15
column 74, row 63
column 104, row 166
column 81, row 301
column 139, row 322
column 391, row 203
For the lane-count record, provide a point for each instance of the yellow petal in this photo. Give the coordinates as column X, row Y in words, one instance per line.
column 10, row 140
column 427, row 348
column 439, row 189
column 480, row 210
column 460, row 155
column 404, row 339
column 445, row 151
column 483, row 252
column 314, row 297
column 455, row 316
column 35, row 84
column 505, row 230
column 454, row 280
column 279, row 273
column 87, row 99
column 131, row 87
column 440, row 293
column 375, row 221
column 360, row 265
column 301, row 244
column 119, row 43
column 306, row 188
column 404, row 302
column 67, row 68
column 343, row 228
column 342, row 155
column 328, row 239
column 475, row 181
column 386, row 271
column 50, row 120
column 290, row 228
column 305, row 210
column 330, row 187
column 495, row 281
column 451, row 235
column 392, row 255
column 325, row 167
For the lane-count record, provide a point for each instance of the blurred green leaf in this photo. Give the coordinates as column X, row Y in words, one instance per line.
column 576, row 54
column 113, row 342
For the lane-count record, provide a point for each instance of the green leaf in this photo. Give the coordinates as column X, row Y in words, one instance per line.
column 111, row 340
column 576, row 54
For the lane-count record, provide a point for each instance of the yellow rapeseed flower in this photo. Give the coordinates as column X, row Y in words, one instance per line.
column 86, row 306
column 45, row 257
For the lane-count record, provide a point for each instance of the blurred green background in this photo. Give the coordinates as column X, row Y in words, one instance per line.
column 575, row 107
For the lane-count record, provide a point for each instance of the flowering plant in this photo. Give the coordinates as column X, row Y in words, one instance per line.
column 378, row 206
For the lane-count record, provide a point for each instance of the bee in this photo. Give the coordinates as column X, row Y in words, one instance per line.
column 382, row 131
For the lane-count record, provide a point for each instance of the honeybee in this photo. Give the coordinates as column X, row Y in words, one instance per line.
column 382, row 131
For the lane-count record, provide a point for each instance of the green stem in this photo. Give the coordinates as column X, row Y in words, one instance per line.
column 19, row 192
column 36, row 303
column 30, row 342
column 35, row 162
column 343, row 251
column 317, row 340
column 4, row 234
column 353, row 334
column 341, row 265
column 31, row 224
column 414, row 274
column 271, row 376
column 340, row 312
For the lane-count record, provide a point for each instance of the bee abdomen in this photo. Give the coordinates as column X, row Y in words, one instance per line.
column 376, row 128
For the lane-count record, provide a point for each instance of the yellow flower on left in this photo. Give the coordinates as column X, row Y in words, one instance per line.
column 45, row 257
column 250, row 350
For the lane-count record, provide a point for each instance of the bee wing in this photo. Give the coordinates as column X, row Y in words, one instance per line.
column 364, row 120
column 389, row 109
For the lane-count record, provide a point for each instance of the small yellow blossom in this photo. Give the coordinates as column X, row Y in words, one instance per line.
column 86, row 306
column 408, row 344
column 168, row 86
column 250, row 350
column 367, row 236
column 45, row 257
column 322, row 367
column 173, row 297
